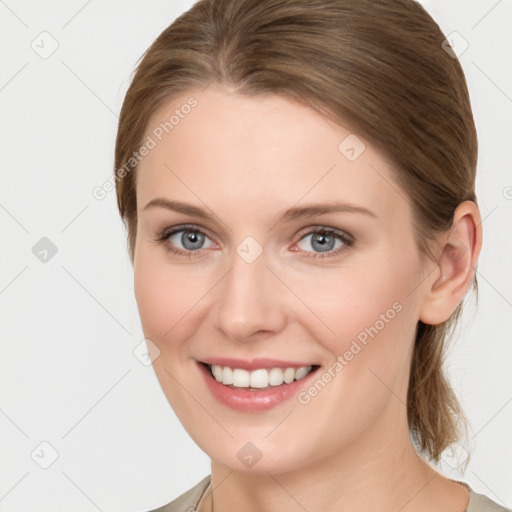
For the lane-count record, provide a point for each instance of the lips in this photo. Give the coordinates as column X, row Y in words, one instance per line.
column 233, row 383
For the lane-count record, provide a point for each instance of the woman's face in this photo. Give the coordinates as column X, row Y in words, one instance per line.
column 253, row 286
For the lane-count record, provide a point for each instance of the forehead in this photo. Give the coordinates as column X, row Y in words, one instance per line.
column 258, row 153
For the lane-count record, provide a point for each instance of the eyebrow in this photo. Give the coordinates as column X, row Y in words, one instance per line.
column 296, row 212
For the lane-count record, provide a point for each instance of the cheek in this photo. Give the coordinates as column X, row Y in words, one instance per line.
column 169, row 299
column 368, row 321
column 373, row 316
column 359, row 303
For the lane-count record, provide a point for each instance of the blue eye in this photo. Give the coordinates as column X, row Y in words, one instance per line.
column 324, row 240
column 327, row 242
column 191, row 239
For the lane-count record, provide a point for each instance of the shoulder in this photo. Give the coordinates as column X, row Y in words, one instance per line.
column 188, row 501
column 482, row 503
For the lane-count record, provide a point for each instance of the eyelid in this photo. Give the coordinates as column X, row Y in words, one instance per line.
column 347, row 242
column 347, row 239
column 167, row 232
column 322, row 228
column 314, row 228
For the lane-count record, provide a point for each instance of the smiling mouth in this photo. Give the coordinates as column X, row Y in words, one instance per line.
column 259, row 379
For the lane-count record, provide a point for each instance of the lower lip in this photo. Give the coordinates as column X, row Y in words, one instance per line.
column 252, row 399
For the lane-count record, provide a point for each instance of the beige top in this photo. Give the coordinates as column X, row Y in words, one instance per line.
column 189, row 501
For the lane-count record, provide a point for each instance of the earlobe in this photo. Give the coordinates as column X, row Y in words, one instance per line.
column 456, row 265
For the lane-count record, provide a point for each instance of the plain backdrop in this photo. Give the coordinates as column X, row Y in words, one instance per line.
column 84, row 425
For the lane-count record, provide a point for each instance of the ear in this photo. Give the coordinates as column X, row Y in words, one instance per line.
column 460, row 247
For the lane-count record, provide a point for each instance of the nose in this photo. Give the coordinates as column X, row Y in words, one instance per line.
column 251, row 301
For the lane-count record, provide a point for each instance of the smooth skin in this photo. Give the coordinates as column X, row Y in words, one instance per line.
column 246, row 160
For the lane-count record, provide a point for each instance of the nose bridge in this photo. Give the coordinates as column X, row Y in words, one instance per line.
column 249, row 298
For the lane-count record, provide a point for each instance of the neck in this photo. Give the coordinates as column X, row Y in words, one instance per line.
column 378, row 472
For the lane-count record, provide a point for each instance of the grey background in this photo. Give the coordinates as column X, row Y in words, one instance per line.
column 68, row 326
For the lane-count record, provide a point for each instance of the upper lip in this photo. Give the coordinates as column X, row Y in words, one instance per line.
column 254, row 364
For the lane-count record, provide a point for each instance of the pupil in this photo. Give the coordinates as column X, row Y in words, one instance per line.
column 190, row 238
column 323, row 241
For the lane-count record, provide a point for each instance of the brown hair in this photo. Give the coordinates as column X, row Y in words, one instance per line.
column 378, row 66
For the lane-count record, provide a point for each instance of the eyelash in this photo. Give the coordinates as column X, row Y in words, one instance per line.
column 348, row 241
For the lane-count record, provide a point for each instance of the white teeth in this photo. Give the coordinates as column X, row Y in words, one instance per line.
column 301, row 372
column 241, row 378
column 289, row 375
column 258, row 378
column 226, row 375
column 275, row 377
column 217, row 373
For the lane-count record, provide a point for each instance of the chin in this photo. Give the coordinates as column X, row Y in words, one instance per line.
column 252, row 454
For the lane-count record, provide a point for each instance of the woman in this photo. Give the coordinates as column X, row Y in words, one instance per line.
column 298, row 182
